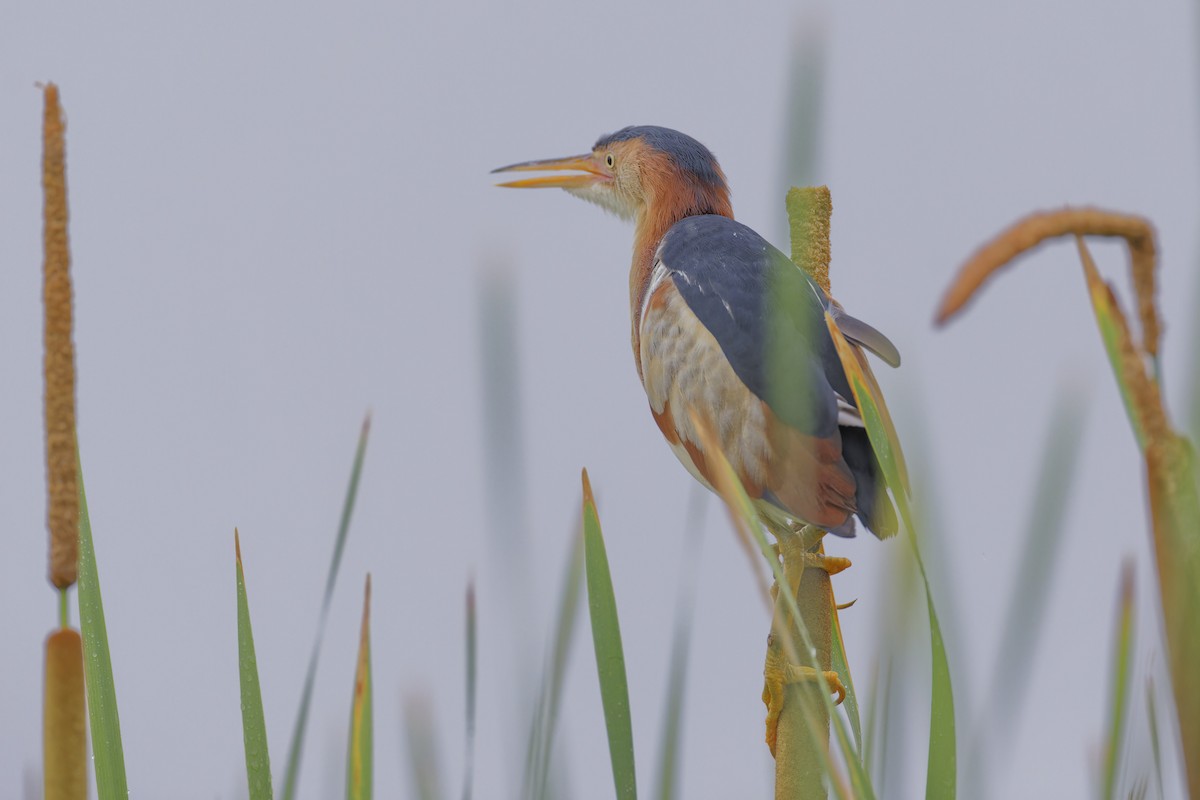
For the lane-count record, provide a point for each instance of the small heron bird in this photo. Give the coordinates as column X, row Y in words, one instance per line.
column 728, row 333
column 727, row 328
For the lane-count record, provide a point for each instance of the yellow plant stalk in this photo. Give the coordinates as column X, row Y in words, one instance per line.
column 785, row 670
column 1170, row 459
column 64, row 732
column 63, row 505
column 800, row 770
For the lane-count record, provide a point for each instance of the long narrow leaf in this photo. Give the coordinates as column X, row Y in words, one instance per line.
column 254, row 726
column 746, row 523
column 504, row 442
column 1193, row 379
column 108, row 756
column 469, row 760
column 1032, row 585
column 1119, row 688
column 1152, row 722
column 360, row 763
column 806, row 84
column 837, row 657
column 610, row 656
column 296, row 749
column 668, row 761
column 1174, row 509
column 545, row 718
column 422, row 749
column 942, row 770
column 878, row 718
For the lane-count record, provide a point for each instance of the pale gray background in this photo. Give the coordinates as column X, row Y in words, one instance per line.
column 280, row 217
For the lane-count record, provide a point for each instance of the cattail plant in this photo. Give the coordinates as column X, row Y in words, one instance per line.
column 799, row 767
column 63, row 508
column 64, row 744
column 818, row 747
column 1171, row 475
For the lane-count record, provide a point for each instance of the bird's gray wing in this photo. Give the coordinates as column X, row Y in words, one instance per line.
column 768, row 317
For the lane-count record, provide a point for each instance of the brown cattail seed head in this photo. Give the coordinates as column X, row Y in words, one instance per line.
column 63, row 505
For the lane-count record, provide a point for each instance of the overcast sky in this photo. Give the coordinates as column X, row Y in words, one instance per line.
column 280, row 217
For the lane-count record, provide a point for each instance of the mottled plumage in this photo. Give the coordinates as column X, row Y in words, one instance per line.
column 758, row 305
column 719, row 286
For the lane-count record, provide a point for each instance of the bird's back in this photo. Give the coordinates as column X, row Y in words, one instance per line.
column 731, row 329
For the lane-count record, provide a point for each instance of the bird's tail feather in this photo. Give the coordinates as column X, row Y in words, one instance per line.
column 867, row 336
column 875, row 508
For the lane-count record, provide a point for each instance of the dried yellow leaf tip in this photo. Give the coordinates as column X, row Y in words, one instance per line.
column 64, row 732
column 809, row 210
column 63, row 493
column 360, row 778
column 1146, row 410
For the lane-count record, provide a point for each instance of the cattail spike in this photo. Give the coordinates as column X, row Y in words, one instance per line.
column 809, row 210
column 63, row 502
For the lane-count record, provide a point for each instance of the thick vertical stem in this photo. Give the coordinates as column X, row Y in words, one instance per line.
column 804, row 721
column 799, row 765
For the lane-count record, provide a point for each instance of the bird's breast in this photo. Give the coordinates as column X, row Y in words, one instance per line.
column 685, row 373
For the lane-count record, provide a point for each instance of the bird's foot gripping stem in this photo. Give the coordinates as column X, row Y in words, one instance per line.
column 778, row 675
column 831, row 564
column 799, row 546
column 799, row 549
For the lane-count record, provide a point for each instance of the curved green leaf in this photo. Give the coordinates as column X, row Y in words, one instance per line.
column 942, row 772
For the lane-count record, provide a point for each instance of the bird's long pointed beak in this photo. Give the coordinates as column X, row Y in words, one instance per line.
column 593, row 172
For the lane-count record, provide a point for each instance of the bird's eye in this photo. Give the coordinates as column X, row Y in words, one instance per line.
column 609, row 160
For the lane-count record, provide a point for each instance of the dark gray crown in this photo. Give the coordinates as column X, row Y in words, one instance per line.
column 687, row 153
